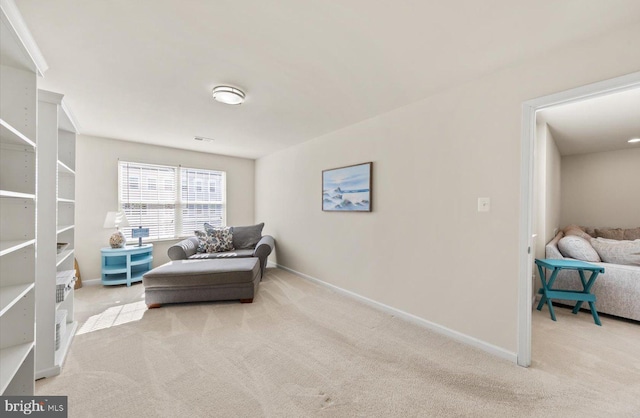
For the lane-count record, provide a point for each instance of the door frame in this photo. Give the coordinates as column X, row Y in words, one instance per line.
column 528, row 134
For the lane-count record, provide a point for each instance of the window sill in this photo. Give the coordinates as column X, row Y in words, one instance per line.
column 150, row 241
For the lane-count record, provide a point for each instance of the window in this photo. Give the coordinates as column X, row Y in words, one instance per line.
column 180, row 206
column 199, row 203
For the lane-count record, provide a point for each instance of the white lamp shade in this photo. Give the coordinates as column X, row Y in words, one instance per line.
column 115, row 220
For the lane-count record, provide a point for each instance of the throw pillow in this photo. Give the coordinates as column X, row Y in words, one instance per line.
column 247, row 236
column 618, row 252
column 220, row 238
column 577, row 231
column 204, row 241
column 632, row 234
column 573, row 246
column 610, row 233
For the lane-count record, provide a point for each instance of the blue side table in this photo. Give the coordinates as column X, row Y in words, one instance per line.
column 125, row 265
column 556, row 265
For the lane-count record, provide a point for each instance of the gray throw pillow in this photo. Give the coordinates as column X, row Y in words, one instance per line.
column 247, row 236
column 610, row 233
column 573, row 246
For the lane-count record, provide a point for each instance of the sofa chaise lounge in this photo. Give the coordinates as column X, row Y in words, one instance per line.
column 196, row 276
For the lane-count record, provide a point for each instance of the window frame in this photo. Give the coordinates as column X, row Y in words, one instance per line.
column 177, row 203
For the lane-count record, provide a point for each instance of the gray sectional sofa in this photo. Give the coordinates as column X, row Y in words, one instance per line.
column 617, row 290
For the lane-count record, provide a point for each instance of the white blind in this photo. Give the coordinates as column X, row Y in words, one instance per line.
column 202, row 198
column 147, row 194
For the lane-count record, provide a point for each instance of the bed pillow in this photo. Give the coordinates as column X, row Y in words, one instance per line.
column 576, row 247
column 618, row 252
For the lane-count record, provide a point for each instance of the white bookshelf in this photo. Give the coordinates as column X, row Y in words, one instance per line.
column 56, row 224
column 20, row 64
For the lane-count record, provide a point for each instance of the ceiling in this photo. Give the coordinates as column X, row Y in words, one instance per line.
column 143, row 70
column 600, row 124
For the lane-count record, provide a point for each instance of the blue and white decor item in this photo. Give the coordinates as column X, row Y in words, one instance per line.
column 140, row 233
column 347, row 189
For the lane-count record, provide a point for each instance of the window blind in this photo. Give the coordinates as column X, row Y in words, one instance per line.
column 171, row 202
column 202, row 198
column 147, row 195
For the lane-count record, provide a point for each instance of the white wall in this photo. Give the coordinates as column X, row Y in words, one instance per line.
column 97, row 191
column 553, row 188
column 425, row 249
column 547, row 186
column 602, row 189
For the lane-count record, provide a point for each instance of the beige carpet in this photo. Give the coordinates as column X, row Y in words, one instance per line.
column 303, row 350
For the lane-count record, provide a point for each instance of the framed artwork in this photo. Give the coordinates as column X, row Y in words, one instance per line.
column 347, row 189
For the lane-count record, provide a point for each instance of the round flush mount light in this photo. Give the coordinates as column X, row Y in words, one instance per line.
column 228, row 95
column 634, row 140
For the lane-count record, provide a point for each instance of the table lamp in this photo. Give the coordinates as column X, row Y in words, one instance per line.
column 116, row 220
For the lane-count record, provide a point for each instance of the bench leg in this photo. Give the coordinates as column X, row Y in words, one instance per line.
column 246, row 300
column 154, row 305
column 594, row 313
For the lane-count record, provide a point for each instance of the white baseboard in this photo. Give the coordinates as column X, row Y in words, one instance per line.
column 92, row 282
column 458, row 336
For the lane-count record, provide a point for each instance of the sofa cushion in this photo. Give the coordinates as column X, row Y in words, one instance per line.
column 618, row 252
column 610, row 233
column 578, row 231
column 247, row 236
column 224, row 254
column 632, row 233
column 573, row 246
column 202, row 273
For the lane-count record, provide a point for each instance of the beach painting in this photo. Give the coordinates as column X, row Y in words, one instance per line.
column 347, row 189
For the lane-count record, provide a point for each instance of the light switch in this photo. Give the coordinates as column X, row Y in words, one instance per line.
column 484, row 204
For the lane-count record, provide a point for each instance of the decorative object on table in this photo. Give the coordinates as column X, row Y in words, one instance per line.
column 116, row 220
column 61, row 246
column 140, row 233
column 347, row 188
column 78, row 284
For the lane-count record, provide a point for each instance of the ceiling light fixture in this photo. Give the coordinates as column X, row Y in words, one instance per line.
column 228, row 95
column 633, row 140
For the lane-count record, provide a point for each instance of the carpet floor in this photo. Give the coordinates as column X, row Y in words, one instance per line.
column 303, row 350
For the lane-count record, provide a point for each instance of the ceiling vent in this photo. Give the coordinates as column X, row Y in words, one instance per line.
column 203, row 139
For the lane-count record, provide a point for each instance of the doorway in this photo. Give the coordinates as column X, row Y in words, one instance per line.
column 528, row 142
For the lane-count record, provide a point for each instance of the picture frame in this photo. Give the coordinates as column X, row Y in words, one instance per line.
column 347, row 189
